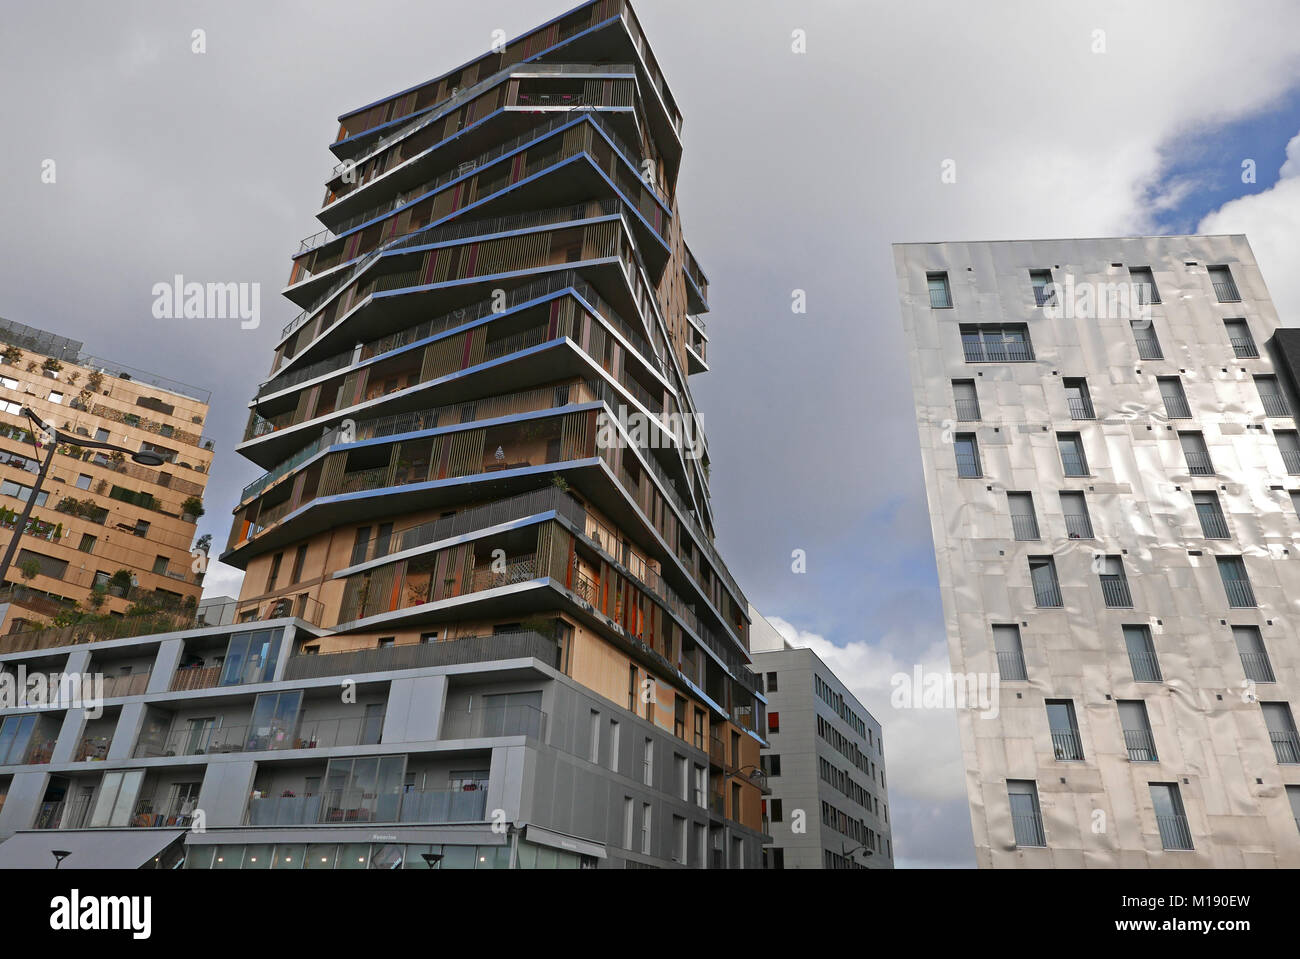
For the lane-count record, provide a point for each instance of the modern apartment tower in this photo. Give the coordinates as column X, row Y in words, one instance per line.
column 824, row 762
column 105, row 534
column 1110, row 452
column 483, row 622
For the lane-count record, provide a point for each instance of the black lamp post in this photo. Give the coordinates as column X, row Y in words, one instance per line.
column 59, row 856
column 432, row 859
column 55, row 437
column 846, row 852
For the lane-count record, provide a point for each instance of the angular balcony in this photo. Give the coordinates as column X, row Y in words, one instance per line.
column 521, row 644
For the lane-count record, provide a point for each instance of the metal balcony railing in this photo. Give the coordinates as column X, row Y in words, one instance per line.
column 1066, row 745
column 939, row 298
column 300, row 734
column 520, row 644
column 1148, row 346
column 1024, row 526
column 1072, row 463
column 1114, row 589
column 1029, row 830
column 1286, row 746
column 989, row 351
column 1213, row 523
column 1174, row 832
column 1240, row 593
column 1244, row 347
column 1176, row 407
column 1145, row 666
column 968, row 465
column 1257, row 667
column 1226, row 290
column 968, row 410
column 1291, row 459
column 1198, row 463
column 1080, row 408
column 1078, row 526
column 1047, row 593
column 65, row 814
column 1275, row 404
column 1045, row 295
column 1147, row 295
column 1141, row 746
column 494, row 721
column 1011, row 666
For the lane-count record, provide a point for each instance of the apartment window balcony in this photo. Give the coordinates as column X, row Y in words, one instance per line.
column 1047, row 594
column 1145, row 666
column 1198, row 464
column 66, row 814
column 717, row 752
column 312, row 734
column 1066, row 746
column 1029, row 830
column 1240, row 593
column 1243, row 347
column 1080, row 408
column 1176, row 407
column 92, row 749
column 968, row 410
column 1141, row 746
column 1213, row 523
column 1275, row 404
column 520, row 644
column 1225, row 288
column 1078, row 526
column 495, row 721
column 1257, row 667
column 1025, row 527
column 1011, row 666
column 1174, row 832
column 339, row 806
column 133, row 684
column 1114, row 589
column 1291, row 459
column 1286, row 746
column 1044, row 295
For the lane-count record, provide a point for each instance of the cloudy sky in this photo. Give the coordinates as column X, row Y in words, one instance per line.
column 1080, row 119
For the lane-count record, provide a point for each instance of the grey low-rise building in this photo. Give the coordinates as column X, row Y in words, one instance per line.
column 825, row 763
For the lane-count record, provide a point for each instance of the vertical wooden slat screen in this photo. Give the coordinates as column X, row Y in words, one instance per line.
column 598, row 240
column 331, row 477
column 466, row 454
column 442, row 357
column 381, row 588
column 476, row 345
column 350, row 395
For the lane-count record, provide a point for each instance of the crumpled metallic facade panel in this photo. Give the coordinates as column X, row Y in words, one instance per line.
column 1206, row 721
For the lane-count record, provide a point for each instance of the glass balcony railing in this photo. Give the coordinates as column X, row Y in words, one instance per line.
column 341, row 807
column 313, row 734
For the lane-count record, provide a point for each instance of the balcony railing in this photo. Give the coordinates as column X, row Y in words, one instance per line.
column 1291, row 460
column 338, row 806
column 985, row 351
column 38, row 753
column 1078, row 526
column 132, row 684
column 1024, row 526
column 1029, row 830
column 1047, row 594
column 1141, row 746
column 1226, row 291
column 65, row 814
column 1174, row 832
column 1011, row 665
column 1148, row 347
column 1114, row 589
column 1044, row 295
column 1080, row 408
column 153, row 814
column 1239, row 593
column 312, row 734
column 521, row 644
column 1243, row 347
column 495, row 721
column 968, row 465
column 1066, row 745
column 1145, row 666
column 1258, row 668
column 1275, row 404
column 1286, row 746
column 968, row 410
column 1073, row 464
column 1198, row 463
column 1213, row 523
column 1176, row 407
column 717, row 751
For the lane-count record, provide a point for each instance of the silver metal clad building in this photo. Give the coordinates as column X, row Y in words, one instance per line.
column 1110, row 454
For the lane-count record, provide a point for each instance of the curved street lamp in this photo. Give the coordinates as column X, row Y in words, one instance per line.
column 54, row 437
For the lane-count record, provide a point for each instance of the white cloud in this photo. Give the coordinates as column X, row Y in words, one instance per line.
column 1271, row 221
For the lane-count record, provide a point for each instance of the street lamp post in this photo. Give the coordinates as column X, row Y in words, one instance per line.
column 54, row 437
column 846, row 852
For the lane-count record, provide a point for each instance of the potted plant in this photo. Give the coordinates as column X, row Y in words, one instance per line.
column 191, row 509
column 30, row 568
column 119, row 584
